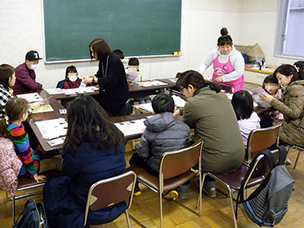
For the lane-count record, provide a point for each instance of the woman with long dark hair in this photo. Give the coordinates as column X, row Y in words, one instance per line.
column 93, row 150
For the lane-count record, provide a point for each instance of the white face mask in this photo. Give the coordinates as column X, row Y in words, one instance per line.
column 73, row 78
column 34, row 66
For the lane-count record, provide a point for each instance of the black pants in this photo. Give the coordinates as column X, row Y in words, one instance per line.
column 138, row 161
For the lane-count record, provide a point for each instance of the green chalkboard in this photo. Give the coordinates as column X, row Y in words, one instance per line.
column 137, row 27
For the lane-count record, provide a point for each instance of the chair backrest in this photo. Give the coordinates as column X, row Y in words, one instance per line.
column 261, row 166
column 261, row 139
column 180, row 161
column 111, row 191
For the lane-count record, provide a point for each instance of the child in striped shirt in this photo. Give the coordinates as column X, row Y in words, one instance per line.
column 11, row 127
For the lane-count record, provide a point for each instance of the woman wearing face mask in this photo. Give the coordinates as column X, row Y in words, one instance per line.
column 25, row 75
column 228, row 63
column 71, row 79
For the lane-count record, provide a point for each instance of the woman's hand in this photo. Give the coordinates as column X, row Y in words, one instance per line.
column 219, row 79
column 87, row 79
column 38, row 178
column 176, row 112
column 266, row 97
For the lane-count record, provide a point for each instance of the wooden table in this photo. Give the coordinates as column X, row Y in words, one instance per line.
column 55, row 114
column 46, row 116
column 134, row 90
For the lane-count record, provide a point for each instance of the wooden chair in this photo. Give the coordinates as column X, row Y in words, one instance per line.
column 28, row 185
column 233, row 181
column 176, row 168
column 299, row 149
column 111, row 191
column 260, row 140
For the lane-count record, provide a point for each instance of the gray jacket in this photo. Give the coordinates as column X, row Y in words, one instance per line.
column 163, row 133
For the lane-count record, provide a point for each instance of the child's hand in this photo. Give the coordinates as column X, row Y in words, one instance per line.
column 39, row 178
column 266, row 97
column 35, row 105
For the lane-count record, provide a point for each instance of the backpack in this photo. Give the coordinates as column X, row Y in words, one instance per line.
column 33, row 216
column 268, row 204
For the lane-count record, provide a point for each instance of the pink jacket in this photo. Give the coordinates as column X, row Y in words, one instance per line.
column 9, row 166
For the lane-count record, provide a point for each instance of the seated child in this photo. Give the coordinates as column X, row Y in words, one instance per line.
column 119, row 54
column 71, row 79
column 248, row 120
column 134, row 75
column 163, row 133
column 272, row 86
column 11, row 127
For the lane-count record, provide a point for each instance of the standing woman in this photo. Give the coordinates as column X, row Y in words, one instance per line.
column 93, row 150
column 211, row 115
column 228, row 63
column 111, row 78
column 291, row 106
column 7, row 81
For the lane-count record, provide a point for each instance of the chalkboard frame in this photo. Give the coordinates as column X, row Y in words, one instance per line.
column 153, row 28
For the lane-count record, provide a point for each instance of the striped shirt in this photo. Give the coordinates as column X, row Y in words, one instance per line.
column 20, row 139
column 4, row 97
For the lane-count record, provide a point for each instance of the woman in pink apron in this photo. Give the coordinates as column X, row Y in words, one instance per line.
column 228, row 63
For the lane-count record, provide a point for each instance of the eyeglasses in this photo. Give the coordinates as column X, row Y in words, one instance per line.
column 181, row 90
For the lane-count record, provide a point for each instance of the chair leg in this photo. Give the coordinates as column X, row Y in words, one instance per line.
column 161, row 209
column 200, row 196
column 200, row 199
column 14, row 211
column 232, row 207
column 128, row 218
column 297, row 159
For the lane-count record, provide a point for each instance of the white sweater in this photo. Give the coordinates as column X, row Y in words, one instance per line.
column 236, row 59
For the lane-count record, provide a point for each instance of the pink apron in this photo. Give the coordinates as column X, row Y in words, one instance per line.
column 220, row 69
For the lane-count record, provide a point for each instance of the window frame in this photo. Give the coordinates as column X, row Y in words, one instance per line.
column 282, row 27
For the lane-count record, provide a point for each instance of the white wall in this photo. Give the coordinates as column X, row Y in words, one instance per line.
column 249, row 22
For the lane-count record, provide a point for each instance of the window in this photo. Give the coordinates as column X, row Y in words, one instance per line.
column 290, row 36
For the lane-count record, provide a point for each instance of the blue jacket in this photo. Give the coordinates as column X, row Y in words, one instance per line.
column 65, row 197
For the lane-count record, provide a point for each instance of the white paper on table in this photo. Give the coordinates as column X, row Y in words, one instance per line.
column 31, row 97
column 51, row 129
column 229, row 95
column 79, row 90
column 256, row 97
column 88, row 89
column 54, row 91
column 151, row 83
column 147, row 107
column 131, row 127
column 71, row 91
column 179, row 102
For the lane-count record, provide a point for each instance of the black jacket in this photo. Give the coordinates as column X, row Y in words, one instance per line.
column 113, row 85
